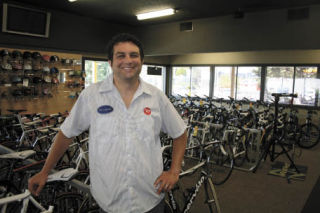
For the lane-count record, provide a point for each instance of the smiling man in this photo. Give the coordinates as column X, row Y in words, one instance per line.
column 124, row 116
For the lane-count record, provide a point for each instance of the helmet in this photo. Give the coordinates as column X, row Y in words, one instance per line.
column 36, row 55
column 36, row 80
column 6, row 66
column 54, row 70
column 4, row 53
column 27, row 67
column 54, row 58
column 17, row 66
column 16, row 54
column 27, row 55
column 46, row 69
column 46, row 58
column 47, row 79
column 55, row 80
column 16, row 79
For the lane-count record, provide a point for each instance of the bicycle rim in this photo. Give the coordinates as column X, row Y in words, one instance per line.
column 221, row 164
column 89, row 205
column 309, row 136
column 68, row 203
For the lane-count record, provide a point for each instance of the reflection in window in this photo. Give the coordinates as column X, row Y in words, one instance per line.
column 279, row 79
column 156, row 80
column 306, row 85
column 96, row 71
column 237, row 82
column 223, row 82
column 248, row 83
column 191, row 81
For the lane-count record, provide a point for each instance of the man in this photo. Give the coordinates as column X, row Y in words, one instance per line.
column 124, row 116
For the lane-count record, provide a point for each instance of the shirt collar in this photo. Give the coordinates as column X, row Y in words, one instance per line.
column 107, row 86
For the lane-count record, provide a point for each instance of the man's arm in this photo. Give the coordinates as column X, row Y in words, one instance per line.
column 60, row 145
column 167, row 180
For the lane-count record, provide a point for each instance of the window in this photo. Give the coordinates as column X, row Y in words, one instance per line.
column 248, row 83
column 154, row 79
column 191, row 81
column 306, row 85
column 223, row 82
column 237, row 82
column 96, row 71
column 279, row 79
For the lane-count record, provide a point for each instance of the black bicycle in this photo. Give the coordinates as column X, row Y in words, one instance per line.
column 189, row 194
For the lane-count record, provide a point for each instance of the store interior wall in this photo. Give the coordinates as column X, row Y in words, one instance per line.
column 269, row 30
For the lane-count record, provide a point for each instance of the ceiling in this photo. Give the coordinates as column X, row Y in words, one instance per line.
column 124, row 11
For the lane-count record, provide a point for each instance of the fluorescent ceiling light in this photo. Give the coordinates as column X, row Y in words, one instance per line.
column 72, row 0
column 155, row 14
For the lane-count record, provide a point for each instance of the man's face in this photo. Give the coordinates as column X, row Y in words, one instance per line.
column 126, row 63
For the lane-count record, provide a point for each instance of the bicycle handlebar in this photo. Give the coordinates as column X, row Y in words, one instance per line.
column 284, row 95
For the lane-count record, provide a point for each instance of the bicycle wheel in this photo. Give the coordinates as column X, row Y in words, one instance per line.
column 221, row 163
column 290, row 133
column 309, row 136
column 89, row 205
column 68, row 202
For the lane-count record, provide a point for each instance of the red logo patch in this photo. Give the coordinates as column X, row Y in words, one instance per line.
column 147, row 111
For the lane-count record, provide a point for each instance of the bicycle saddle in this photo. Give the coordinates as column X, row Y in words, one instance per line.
column 62, row 175
column 18, row 155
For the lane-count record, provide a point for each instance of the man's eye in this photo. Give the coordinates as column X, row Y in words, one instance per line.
column 134, row 55
column 120, row 56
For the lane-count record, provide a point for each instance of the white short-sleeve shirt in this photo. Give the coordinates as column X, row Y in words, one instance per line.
column 124, row 143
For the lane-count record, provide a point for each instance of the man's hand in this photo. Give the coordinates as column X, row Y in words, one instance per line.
column 37, row 182
column 166, row 181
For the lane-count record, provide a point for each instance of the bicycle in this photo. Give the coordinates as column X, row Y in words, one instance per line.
column 25, row 198
column 181, row 199
column 309, row 132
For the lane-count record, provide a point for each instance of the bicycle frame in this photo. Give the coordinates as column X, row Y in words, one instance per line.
column 25, row 198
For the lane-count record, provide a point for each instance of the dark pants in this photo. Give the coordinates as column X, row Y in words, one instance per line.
column 157, row 209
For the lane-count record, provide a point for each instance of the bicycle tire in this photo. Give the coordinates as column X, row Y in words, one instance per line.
column 309, row 136
column 68, row 202
column 290, row 133
column 221, row 163
column 89, row 206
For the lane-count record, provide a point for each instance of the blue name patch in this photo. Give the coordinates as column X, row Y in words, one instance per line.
column 104, row 109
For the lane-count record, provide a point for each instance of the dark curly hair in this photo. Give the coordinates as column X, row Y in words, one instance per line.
column 123, row 37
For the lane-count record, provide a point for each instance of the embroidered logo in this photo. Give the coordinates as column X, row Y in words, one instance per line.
column 104, row 109
column 147, row 111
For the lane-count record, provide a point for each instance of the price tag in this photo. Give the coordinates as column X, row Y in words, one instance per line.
column 184, row 100
column 201, row 102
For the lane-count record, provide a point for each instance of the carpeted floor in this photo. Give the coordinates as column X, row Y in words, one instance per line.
column 247, row 192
